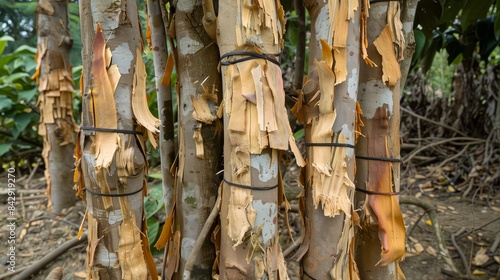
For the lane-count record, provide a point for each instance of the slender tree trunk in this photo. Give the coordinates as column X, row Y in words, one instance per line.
column 381, row 238
column 330, row 138
column 111, row 154
column 255, row 128
column 200, row 149
column 55, row 84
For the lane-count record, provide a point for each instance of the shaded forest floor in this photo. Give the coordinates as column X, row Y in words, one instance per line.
column 473, row 219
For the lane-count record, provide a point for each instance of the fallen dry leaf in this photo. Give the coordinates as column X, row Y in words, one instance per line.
column 478, row 272
column 480, row 258
column 431, row 251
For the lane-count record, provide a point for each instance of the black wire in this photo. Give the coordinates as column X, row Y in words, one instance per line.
column 375, row 192
column 111, row 130
column 379, row 158
column 250, row 56
column 115, row 194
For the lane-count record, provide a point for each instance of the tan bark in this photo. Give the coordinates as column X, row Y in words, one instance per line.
column 55, row 84
column 255, row 127
column 200, row 151
column 330, row 94
column 110, row 155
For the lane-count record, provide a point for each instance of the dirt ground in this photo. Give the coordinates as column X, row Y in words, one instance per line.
column 474, row 219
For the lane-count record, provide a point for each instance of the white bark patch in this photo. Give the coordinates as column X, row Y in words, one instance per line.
column 266, row 217
column 352, row 83
column 189, row 46
column 187, row 247
column 123, row 57
column 377, row 94
column 186, row 5
column 107, row 13
column 114, row 216
column 322, row 23
column 122, row 100
column 267, row 169
column 104, row 257
column 349, row 139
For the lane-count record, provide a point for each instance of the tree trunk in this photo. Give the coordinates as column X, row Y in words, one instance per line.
column 55, row 84
column 330, row 138
column 111, row 155
column 381, row 238
column 164, row 98
column 163, row 66
column 255, row 128
column 200, row 149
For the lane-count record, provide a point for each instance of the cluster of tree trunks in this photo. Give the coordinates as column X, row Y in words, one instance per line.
column 231, row 102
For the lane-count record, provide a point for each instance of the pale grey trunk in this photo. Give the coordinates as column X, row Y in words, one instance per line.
column 164, row 99
column 57, row 126
column 325, row 254
column 196, row 189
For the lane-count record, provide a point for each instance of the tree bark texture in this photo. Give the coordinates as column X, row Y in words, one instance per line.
column 200, row 136
column 330, row 116
column 164, row 98
column 55, row 84
column 380, row 240
column 255, row 129
column 111, row 156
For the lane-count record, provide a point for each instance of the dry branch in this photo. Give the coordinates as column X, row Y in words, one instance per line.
column 430, row 209
column 37, row 266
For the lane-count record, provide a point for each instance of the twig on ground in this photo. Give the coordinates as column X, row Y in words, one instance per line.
column 38, row 161
column 10, row 274
column 430, row 209
column 54, row 219
column 470, row 140
column 37, row 266
column 459, row 251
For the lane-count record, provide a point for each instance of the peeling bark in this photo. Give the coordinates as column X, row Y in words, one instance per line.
column 255, row 127
column 111, row 163
column 382, row 228
column 55, row 84
column 333, row 78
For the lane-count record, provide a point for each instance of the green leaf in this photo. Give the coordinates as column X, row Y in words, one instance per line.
column 154, row 201
column 3, row 42
column 15, row 76
column 419, row 46
column 427, row 15
column 153, row 229
column 27, row 95
column 450, row 11
column 474, row 10
column 4, row 148
column 486, row 35
column 155, row 175
column 21, row 121
column 5, row 103
column 497, row 21
column 430, row 52
column 299, row 134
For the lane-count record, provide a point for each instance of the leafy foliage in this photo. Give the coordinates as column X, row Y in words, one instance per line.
column 458, row 26
column 153, row 203
column 19, row 115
